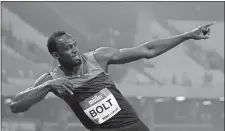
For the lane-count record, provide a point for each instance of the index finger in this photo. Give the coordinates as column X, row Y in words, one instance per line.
column 210, row 24
column 67, row 89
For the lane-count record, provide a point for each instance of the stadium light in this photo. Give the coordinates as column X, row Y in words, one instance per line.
column 221, row 98
column 7, row 101
column 180, row 98
column 206, row 103
column 139, row 97
column 158, row 100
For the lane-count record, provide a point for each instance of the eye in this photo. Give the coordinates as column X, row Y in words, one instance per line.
column 69, row 47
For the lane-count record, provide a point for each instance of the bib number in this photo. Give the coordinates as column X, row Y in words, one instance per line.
column 101, row 106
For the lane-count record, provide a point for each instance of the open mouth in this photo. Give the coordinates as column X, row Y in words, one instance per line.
column 76, row 55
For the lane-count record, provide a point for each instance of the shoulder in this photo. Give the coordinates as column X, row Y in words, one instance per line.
column 106, row 50
column 105, row 53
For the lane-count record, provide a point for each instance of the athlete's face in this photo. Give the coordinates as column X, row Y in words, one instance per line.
column 68, row 52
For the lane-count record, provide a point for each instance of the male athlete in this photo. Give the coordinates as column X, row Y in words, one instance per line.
column 83, row 82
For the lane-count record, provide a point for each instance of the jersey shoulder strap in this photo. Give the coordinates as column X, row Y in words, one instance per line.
column 89, row 58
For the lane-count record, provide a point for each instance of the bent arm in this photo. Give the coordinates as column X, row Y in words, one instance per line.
column 147, row 50
column 25, row 99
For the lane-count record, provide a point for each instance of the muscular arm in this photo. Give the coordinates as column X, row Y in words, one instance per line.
column 147, row 50
column 25, row 99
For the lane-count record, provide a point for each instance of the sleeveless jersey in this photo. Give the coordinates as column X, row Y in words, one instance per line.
column 96, row 101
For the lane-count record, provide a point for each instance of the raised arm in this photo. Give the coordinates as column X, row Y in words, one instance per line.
column 25, row 99
column 149, row 49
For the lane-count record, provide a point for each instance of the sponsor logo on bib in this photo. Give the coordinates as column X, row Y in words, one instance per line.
column 101, row 106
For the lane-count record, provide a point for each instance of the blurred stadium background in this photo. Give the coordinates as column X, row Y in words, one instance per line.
column 182, row 90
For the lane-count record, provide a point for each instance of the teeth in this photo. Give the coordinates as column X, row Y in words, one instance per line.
column 77, row 57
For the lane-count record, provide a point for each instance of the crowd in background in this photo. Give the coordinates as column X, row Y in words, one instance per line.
column 190, row 114
column 26, row 58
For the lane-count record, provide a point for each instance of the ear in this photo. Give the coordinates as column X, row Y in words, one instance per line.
column 55, row 55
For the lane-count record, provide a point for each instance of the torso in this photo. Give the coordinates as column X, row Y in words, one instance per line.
column 96, row 101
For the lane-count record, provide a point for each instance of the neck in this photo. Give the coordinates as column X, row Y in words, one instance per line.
column 71, row 70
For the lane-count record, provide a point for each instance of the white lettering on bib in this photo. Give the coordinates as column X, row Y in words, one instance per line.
column 101, row 106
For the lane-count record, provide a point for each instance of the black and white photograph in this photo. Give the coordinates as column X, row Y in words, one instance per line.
column 112, row 66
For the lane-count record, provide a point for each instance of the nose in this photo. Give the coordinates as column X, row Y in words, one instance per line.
column 74, row 49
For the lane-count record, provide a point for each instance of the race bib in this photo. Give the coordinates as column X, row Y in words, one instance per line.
column 101, row 106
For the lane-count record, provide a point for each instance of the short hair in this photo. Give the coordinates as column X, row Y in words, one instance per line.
column 52, row 41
